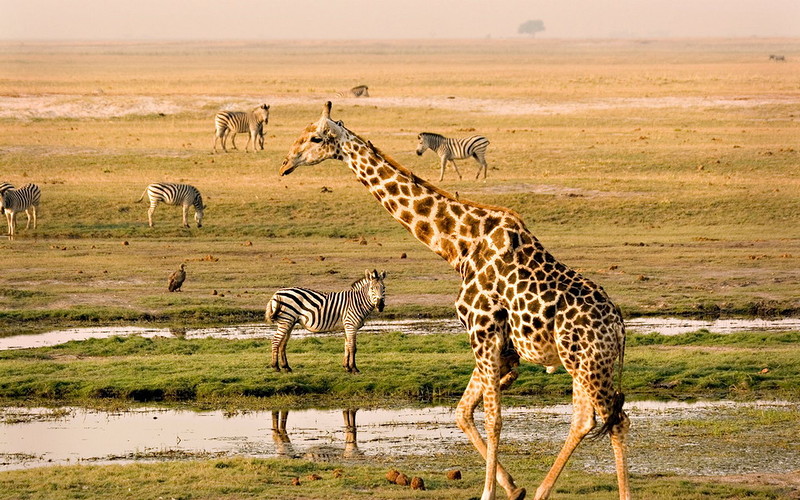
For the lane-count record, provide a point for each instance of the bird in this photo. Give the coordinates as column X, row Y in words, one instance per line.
column 176, row 279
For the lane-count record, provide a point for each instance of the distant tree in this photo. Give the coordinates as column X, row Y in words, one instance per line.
column 531, row 27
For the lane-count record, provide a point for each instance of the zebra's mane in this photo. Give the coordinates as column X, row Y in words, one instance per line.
column 358, row 283
column 441, row 192
column 432, row 134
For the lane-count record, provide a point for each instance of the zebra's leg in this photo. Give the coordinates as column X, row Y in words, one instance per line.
column 13, row 225
column 8, row 221
column 349, row 362
column 456, row 168
column 250, row 138
column 232, row 135
column 185, row 209
column 279, row 341
column 35, row 211
column 481, row 166
column 442, row 166
column 150, row 215
column 28, row 215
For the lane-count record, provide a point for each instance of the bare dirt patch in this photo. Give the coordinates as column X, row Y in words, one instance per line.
column 111, row 106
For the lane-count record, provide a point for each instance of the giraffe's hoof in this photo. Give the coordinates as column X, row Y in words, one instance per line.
column 518, row 494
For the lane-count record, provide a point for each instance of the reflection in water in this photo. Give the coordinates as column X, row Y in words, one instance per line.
column 664, row 326
column 316, row 453
column 666, row 437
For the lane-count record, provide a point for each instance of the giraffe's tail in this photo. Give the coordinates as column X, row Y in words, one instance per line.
column 616, row 414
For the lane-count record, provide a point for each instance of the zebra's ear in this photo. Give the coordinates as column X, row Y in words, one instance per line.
column 367, row 274
column 383, row 275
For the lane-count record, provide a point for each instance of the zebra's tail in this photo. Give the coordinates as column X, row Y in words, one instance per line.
column 142, row 197
column 273, row 309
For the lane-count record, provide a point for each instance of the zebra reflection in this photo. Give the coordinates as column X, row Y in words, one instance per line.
column 318, row 453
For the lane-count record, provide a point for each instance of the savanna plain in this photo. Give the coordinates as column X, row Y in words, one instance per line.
column 666, row 171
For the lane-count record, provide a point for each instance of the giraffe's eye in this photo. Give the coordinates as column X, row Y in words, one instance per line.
column 316, row 138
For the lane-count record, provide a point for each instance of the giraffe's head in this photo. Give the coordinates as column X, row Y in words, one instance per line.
column 376, row 288
column 318, row 142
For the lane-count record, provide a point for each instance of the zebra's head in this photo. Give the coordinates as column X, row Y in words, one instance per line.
column 318, row 142
column 424, row 142
column 375, row 288
column 198, row 213
column 262, row 112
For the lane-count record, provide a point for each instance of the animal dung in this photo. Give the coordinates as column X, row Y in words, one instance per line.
column 454, row 475
column 213, row 292
column 337, row 473
column 391, row 476
column 417, row 483
column 403, row 255
column 314, row 477
column 247, row 244
column 296, row 481
column 125, row 243
column 402, row 480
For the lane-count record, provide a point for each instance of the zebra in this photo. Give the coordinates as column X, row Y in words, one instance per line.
column 230, row 123
column 174, row 194
column 4, row 186
column 455, row 149
column 24, row 199
column 776, row 57
column 325, row 312
column 358, row 91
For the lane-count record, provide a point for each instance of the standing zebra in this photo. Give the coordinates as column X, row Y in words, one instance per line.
column 325, row 312
column 24, row 199
column 455, row 149
column 4, row 186
column 175, row 194
column 230, row 123
column 359, row 91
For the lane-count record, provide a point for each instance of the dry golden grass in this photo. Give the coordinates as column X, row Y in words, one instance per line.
column 667, row 170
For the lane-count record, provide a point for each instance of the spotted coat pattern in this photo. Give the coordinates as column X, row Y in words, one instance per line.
column 517, row 301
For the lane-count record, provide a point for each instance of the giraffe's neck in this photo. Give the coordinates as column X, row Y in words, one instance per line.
column 436, row 218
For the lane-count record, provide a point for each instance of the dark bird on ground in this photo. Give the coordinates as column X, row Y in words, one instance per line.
column 176, row 279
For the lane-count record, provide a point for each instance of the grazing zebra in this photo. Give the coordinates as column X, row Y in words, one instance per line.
column 359, row 91
column 325, row 312
column 24, row 199
column 175, row 194
column 455, row 149
column 230, row 123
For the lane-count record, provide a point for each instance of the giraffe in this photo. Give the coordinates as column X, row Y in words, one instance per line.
column 517, row 302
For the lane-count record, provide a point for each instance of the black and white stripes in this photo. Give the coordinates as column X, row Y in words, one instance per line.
column 455, row 149
column 25, row 199
column 175, row 194
column 358, row 91
column 325, row 312
column 230, row 123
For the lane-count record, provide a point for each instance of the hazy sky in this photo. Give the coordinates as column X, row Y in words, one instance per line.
column 371, row 19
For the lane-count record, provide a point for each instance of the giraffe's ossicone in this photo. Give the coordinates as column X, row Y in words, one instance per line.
column 517, row 301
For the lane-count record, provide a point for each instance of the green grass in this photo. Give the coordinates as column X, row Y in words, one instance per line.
column 238, row 478
column 219, row 373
